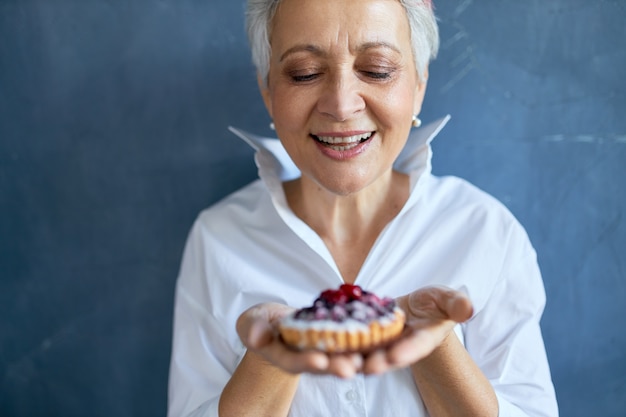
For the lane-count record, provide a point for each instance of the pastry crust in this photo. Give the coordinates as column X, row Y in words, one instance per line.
column 333, row 337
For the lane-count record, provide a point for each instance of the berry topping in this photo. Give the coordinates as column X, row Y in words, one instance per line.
column 370, row 298
column 348, row 301
column 354, row 292
column 334, row 297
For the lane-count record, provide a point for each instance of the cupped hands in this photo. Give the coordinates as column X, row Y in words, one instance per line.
column 431, row 314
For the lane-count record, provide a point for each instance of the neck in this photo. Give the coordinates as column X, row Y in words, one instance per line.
column 340, row 219
column 349, row 225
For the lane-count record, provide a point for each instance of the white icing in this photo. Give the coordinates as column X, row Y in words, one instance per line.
column 349, row 325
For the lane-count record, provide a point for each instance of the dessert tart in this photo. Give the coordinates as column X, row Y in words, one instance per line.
column 348, row 319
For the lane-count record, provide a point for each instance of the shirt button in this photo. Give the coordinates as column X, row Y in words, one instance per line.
column 351, row 395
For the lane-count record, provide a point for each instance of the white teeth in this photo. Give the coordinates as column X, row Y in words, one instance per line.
column 348, row 140
column 344, row 148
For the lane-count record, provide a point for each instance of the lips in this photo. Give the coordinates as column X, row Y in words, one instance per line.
column 343, row 143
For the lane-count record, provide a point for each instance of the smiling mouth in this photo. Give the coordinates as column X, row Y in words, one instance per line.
column 343, row 143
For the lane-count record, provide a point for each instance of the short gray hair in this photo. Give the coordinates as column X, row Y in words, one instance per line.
column 420, row 14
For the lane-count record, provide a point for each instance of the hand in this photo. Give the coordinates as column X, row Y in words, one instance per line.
column 432, row 313
column 258, row 329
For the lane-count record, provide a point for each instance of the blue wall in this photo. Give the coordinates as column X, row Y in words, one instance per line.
column 113, row 137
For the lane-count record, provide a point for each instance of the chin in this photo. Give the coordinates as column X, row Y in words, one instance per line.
column 342, row 187
column 343, row 179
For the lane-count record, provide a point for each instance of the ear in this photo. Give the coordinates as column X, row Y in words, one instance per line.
column 420, row 91
column 265, row 93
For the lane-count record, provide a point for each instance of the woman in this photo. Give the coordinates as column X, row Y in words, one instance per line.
column 355, row 202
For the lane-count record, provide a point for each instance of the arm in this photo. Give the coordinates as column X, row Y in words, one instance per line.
column 216, row 355
column 202, row 358
column 503, row 358
column 451, row 384
column 426, row 329
column 266, row 380
column 504, row 339
column 503, row 354
column 449, row 381
column 211, row 374
column 258, row 388
column 205, row 347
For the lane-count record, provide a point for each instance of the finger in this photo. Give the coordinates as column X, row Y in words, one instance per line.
column 345, row 365
column 295, row 361
column 248, row 324
column 415, row 346
column 452, row 304
column 459, row 307
column 376, row 362
column 257, row 325
column 259, row 334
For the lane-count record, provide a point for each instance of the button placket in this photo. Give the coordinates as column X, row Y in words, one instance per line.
column 352, row 396
column 355, row 395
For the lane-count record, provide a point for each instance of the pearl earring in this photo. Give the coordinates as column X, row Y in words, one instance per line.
column 416, row 121
column 272, row 126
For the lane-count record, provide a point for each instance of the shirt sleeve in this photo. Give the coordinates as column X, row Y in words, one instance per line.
column 202, row 354
column 505, row 339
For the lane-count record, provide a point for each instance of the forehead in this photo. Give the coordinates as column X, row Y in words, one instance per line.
column 339, row 24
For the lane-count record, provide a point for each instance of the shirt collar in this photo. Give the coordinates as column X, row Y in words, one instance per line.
column 275, row 166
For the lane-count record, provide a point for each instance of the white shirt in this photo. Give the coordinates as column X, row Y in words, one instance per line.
column 251, row 248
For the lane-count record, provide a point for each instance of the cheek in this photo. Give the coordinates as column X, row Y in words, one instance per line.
column 396, row 103
column 402, row 101
column 290, row 109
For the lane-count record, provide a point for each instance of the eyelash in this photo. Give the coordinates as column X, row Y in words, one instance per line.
column 379, row 76
column 303, row 78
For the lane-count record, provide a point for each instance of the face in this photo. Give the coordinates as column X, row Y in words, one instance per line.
column 342, row 88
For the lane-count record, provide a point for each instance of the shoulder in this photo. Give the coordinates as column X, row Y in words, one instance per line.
column 454, row 197
column 459, row 192
column 479, row 235
column 225, row 223
column 239, row 206
column 465, row 212
column 215, row 241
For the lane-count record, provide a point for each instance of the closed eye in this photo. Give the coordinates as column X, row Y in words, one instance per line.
column 304, row 78
column 377, row 75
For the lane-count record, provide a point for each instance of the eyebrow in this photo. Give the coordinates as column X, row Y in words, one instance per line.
column 315, row 50
column 302, row 48
column 381, row 44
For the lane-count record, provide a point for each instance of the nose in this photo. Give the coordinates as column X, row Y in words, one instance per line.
column 340, row 97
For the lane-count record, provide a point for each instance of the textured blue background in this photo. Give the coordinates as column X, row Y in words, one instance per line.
column 113, row 137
